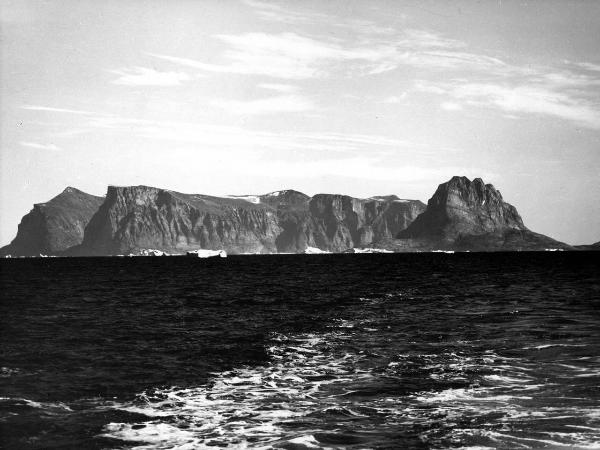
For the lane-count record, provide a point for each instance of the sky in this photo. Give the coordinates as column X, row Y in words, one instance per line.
column 356, row 97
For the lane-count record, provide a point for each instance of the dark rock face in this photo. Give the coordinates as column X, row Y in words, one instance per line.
column 339, row 222
column 52, row 227
column 461, row 215
column 134, row 218
column 293, row 218
column 138, row 217
column 472, row 215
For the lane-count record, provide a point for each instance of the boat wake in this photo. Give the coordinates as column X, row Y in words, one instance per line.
column 343, row 389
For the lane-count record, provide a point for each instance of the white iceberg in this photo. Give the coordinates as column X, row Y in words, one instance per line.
column 202, row 253
column 368, row 250
column 314, row 251
column 152, row 252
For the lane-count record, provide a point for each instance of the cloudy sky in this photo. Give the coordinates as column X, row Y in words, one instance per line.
column 357, row 97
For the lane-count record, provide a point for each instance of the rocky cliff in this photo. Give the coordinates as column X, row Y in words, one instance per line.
column 461, row 215
column 138, row 217
column 339, row 222
column 472, row 215
column 52, row 227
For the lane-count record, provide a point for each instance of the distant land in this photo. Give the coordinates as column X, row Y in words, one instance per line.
column 462, row 215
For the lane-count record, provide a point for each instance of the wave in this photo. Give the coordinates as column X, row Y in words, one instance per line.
column 321, row 385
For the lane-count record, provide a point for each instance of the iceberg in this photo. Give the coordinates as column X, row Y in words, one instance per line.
column 314, row 251
column 201, row 253
column 152, row 252
column 368, row 250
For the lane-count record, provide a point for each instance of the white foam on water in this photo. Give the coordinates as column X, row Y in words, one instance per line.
column 245, row 407
column 543, row 346
column 47, row 406
column 312, row 377
column 575, row 440
column 308, row 441
column 506, row 379
column 499, row 394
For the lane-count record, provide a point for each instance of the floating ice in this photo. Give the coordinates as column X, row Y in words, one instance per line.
column 314, row 251
column 201, row 253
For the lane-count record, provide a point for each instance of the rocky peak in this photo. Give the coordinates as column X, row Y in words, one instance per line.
column 464, row 207
column 461, row 190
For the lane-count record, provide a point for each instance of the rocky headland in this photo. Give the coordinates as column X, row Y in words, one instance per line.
column 51, row 228
column 471, row 215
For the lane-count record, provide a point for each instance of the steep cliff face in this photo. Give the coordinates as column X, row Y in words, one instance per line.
column 134, row 218
column 52, row 227
column 138, row 217
column 338, row 222
column 293, row 217
column 472, row 215
column 461, row 215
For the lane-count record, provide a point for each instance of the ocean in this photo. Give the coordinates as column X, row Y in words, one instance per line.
column 382, row 351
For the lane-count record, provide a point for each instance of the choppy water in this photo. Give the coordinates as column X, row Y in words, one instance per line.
column 315, row 351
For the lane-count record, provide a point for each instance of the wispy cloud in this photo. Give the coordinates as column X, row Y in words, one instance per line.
column 297, row 13
column 58, row 110
column 446, row 59
column 526, row 98
column 593, row 67
column 293, row 56
column 39, row 146
column 285, row 55
column 348, row 155
column 276, row 12
column 143, row 76
column 221, row 136
column 278, row 104
column 279, row 87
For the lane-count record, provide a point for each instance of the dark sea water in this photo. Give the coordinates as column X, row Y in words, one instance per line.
column 302, row 351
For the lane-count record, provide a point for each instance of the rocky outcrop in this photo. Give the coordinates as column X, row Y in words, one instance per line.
column 139, row 217
column 291, row 208
column 471, row 215
column 52, row 227
column 133, row 218
column 338, row 222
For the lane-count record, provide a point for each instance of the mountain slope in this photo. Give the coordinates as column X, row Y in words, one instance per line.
column 52, row 227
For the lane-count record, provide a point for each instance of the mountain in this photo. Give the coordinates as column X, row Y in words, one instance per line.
column 461, row 215
column 471, row 215
column 52, row 227
column 139, row 217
